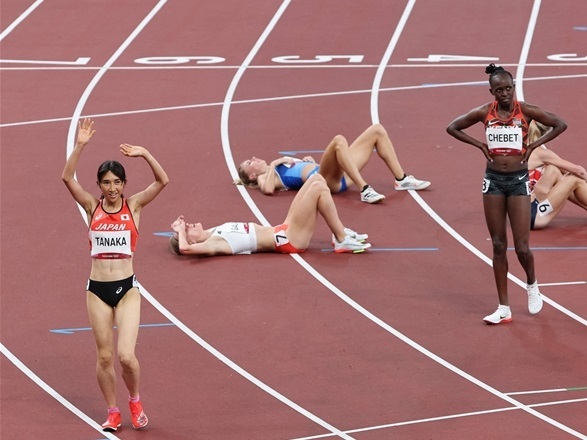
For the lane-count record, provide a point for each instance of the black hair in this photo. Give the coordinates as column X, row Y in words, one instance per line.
column 492, row 70
column 114, row 166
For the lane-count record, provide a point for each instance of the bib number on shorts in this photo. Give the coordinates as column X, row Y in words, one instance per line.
column 545, row 208
column 486, row 183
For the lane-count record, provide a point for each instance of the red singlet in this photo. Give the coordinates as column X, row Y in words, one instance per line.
column 507, row 137
column 113, row 235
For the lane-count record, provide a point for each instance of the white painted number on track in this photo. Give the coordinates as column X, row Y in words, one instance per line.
column 566, row 57
column 433, row 58
column 180, row 60
column 295, row 59
column 437, row 58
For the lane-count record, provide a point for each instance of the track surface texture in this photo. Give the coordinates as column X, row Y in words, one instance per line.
column 389, row 344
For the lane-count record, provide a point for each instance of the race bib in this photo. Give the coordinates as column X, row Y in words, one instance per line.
column 110, row 244
column 502, row 138
column 486, row 184
column 544, row 208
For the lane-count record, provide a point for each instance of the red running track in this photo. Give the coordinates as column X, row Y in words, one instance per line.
column 389, row 344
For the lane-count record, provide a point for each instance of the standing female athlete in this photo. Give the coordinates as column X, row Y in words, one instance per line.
column 112, row 295
column 506, row 192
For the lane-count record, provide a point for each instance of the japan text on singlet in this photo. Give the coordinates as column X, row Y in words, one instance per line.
column 508, row 137
column 113, row 235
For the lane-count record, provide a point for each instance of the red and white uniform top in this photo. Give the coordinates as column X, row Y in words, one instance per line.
column 113, row 234
column 534, row 176
column 508, row 137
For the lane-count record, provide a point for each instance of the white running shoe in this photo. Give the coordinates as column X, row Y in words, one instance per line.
column 359, row 237
column 350, row 245
column 534, row 298
column 410, row 182
column 502, row 314
column 350, row 233
column 369, row 195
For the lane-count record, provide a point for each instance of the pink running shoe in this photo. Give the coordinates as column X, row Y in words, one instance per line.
column 112, row 423
column 138, row 416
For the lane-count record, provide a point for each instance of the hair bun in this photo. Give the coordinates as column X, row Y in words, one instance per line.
column 492, row 68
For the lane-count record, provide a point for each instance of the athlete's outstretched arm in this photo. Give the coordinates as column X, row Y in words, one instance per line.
column 80, row 195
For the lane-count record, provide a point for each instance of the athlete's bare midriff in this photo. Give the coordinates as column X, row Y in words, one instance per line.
column 507, row 164
column 111, row 269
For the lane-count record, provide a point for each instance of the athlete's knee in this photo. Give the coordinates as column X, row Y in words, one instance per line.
column 127, row 359
column 499, row 245
column 378, row 130
column 317, row 182
column 523, row 251
column 105, row 359
column 339, row 142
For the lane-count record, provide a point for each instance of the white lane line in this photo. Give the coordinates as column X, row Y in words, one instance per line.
column 553, row 390
column 440, row 418
column 129, row 112
column 432, row 213
column 526, row 49
column 266, row 67
column 52, row 392
column 21, row 18
column 279, row 98
column 340, row 294
column 221, row 357
column 80, row 61
column 226, row 147
column 21, row 366
column 386, row 56
column 565, row 283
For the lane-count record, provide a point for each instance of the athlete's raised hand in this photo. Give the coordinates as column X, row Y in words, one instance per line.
column 85, row 131
column 178, row 224
column 132, row 150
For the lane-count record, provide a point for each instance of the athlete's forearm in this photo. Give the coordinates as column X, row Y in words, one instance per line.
column 71, row 163
column 158, row 171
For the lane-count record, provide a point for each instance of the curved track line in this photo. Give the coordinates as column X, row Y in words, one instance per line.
column 525, row 50
column 72, row 128
column 324, row 281
column 156, row 304
column 486, row 259
column 49, row 390
column 90, row 87
column 444, row 225
column 233, row 171
column 191, row 334
column 386, row 56
column 428, row 353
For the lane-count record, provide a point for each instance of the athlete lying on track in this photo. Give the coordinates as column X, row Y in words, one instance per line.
column 292, row 236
